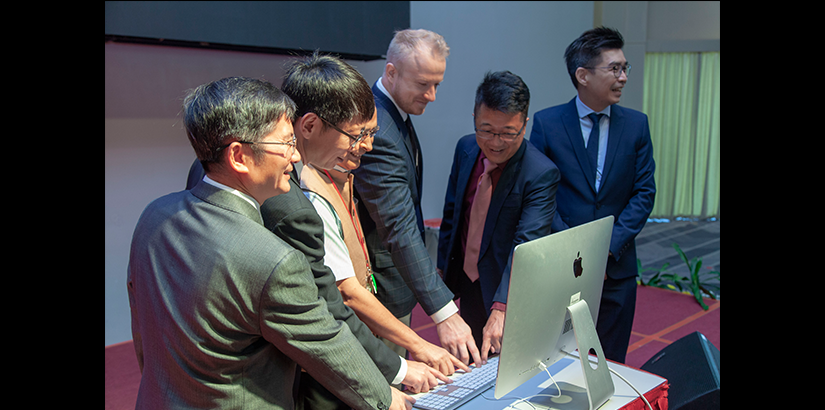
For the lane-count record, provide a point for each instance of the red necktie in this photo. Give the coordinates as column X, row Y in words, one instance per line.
column 478, row 215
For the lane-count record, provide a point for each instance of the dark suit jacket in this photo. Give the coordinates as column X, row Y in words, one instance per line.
column 388, row 184
column 293, row 219
column 627, row 189
column 222, row 310
column 521, row 209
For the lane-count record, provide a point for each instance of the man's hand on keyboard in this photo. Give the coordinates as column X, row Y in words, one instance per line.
column 421, row 378
column 455, row 336
column 400, row 401
column 437, row 358
column 492, row 334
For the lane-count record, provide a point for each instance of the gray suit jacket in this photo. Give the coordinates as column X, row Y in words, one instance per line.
column 292, row 218
column 389, row 185
column 222, row 310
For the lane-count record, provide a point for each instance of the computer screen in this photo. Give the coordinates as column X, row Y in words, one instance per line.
column 550, row 275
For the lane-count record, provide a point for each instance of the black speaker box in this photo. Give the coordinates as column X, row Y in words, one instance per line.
column 691, row 367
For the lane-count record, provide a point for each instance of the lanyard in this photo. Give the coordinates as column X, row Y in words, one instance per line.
column 361, row 240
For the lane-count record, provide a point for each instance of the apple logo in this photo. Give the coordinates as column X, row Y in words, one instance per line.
column 577, row 265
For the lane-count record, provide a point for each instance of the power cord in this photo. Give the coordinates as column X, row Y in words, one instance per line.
column 631, row 386
column 623, row 379
column 543, row 367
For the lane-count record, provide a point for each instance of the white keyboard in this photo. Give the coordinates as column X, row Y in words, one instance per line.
column 465, row 387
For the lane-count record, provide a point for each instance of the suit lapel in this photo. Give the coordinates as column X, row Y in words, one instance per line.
column 573, row 129
column 382, row 100
column 614, row 136
column 225, row 200
column 414, row 148
column 464, row 174
column 505, row 184
column 388, row 106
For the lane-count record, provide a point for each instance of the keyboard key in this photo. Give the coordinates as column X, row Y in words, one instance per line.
column 464, row 388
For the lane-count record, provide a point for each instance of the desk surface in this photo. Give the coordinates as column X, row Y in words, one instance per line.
column 568, row 375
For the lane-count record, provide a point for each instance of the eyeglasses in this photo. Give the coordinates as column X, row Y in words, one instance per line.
column 616, row 69
column 505, row 136
column 291, row 144
column 355, row 140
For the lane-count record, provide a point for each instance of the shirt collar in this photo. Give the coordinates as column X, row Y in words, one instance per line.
column 501, row 166
column 404, row 115
column 233, row 191
column 584, row 110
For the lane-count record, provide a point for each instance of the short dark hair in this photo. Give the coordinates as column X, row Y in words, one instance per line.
column 583, row 51
column 233, row 108
column 330, row 88
column 503, row 91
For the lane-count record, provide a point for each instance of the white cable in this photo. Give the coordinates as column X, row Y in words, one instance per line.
column 631, row 386
column 619, row 376
column 543, row 367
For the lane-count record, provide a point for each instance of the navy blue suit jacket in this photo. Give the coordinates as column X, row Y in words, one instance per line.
column 521, row 209
column 388, row 184
column 627, row 189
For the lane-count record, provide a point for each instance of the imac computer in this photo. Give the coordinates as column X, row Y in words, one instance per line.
column 552, row 306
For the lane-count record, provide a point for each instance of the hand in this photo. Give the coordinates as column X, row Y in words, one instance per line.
column 455, row 336
column 421, row 378
column 437, row 357
column 400, row 401
column 492, row 334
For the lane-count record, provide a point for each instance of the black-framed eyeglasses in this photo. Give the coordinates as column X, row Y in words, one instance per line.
column 616, row 69
column 291, row 144
column 505, row 136
column 355, row 140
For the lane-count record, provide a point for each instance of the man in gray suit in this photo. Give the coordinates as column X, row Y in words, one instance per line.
column 222, row 309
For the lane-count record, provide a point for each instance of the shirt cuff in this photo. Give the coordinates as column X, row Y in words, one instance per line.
column 448, row 310
column 402, row 372
column 499, row 306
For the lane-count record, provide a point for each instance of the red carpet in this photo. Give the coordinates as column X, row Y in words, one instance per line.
column 662, row 317
column 122, row 376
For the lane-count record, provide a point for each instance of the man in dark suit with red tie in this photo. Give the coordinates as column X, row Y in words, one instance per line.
column 608, row 173
column 501, row 193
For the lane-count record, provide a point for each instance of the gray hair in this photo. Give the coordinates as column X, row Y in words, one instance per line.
column 406, row 42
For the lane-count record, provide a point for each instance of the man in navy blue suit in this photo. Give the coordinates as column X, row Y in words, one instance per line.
column 606, row 161
column 388, row 184
column 521, row 205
